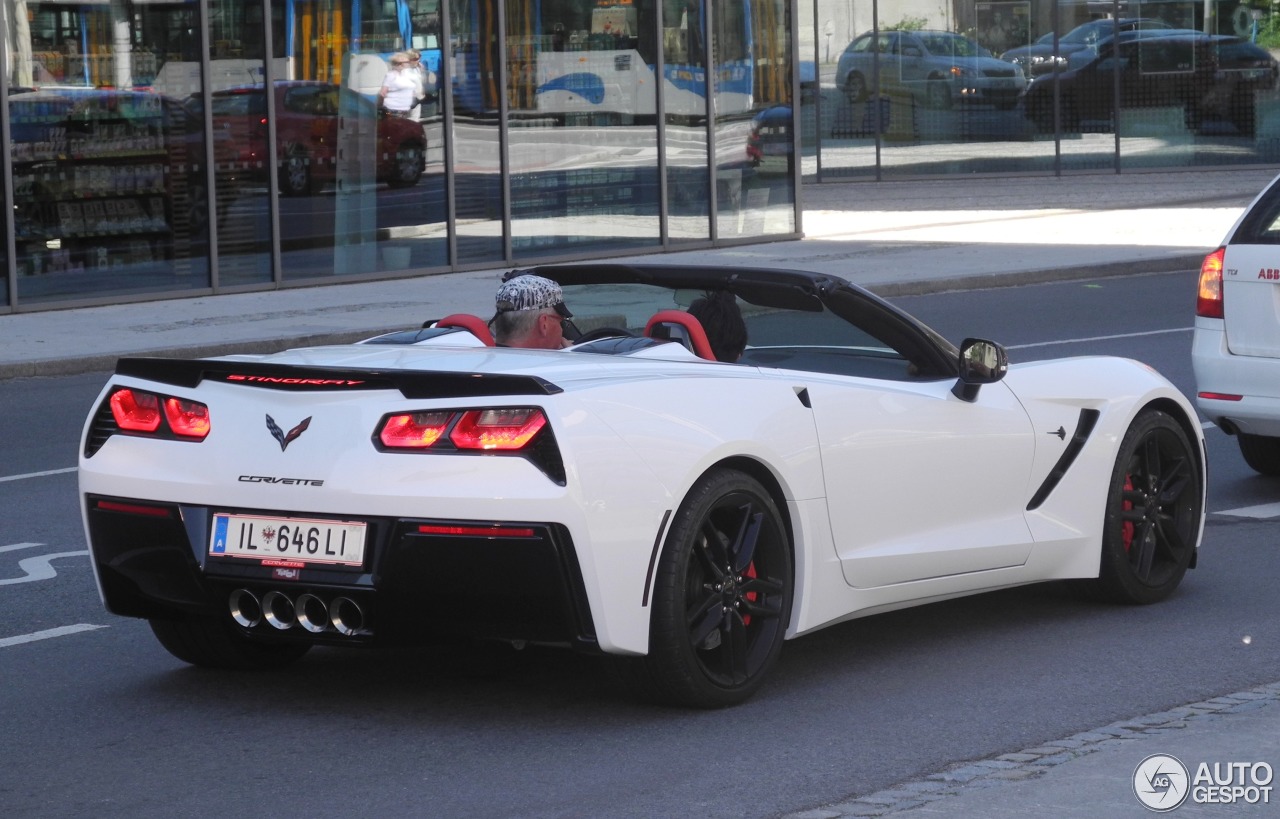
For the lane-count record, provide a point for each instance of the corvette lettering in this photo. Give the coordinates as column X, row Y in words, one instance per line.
column 273, row 379
column 284, row 481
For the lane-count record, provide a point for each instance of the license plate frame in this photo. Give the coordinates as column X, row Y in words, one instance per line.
column 287, row 540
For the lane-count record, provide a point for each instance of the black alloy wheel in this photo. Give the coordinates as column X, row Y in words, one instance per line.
column 1153, row 514
column 722, row 595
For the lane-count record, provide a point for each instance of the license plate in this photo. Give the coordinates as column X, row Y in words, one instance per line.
column 299, row 540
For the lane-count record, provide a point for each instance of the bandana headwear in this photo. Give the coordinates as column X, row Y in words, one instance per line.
column 531, row 293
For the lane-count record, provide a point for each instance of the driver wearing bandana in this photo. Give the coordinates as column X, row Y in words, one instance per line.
column 531, row 313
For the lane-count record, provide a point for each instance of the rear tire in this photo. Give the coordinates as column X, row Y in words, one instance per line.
column 1153, row 514
column 721, row 597
column 1261, row 453
column 211, row 642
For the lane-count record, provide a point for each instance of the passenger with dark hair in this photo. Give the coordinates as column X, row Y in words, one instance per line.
column 720, row 317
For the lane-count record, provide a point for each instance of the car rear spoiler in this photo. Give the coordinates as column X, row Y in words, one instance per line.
column 410, row 383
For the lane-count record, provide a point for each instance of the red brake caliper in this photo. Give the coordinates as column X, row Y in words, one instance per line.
column 1127, row 528
column 750, row 596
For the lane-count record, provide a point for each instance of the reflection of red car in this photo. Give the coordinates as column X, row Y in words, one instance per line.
column 309, row 139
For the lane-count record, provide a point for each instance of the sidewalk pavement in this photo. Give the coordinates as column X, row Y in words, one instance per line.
column 896, row 238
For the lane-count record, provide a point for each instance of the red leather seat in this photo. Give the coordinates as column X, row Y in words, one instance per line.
column 472, row 324
column 678, row 325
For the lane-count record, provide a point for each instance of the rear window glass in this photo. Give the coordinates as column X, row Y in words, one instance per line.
column 1261, row 226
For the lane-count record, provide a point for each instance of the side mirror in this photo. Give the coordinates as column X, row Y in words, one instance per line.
column 981, row 362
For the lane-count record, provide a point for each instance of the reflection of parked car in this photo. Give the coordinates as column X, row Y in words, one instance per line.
column 308, row 136
column 936, row 66
column 1208, row 76
column 1039, row 57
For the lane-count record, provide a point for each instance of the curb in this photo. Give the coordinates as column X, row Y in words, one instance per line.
column 1029, row 763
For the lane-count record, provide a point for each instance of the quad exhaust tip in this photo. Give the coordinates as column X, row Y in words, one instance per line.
column 311, row 612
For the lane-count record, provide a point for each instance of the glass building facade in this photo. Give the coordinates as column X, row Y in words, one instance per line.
column 158, row 148
column 919, row 88
column 154, row 148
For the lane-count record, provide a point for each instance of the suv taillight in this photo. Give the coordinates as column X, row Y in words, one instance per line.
column 1209, row 297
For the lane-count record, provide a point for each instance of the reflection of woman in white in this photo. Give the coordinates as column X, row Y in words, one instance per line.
column 400, row 87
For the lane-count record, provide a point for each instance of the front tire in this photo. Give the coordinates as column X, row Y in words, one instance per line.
column 722, row 596
column 1153, row 514
column 1261, row 453
column 212, row 642
column 410, row 160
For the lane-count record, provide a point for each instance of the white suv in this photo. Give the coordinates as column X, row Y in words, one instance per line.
column 1236, row 350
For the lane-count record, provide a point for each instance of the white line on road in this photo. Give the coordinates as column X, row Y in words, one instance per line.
column 38, row 474
column 1265, row 510
column 13, row 547
column 1099, row 338
column 61, row 631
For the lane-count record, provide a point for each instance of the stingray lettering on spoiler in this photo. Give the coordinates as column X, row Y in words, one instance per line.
column 285, row 481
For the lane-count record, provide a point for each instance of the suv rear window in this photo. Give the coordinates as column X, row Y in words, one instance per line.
column 1262, row 224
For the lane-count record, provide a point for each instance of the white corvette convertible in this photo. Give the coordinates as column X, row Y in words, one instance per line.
column 628, row 495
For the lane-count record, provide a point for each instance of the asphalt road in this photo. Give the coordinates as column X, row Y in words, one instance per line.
column 99, row 720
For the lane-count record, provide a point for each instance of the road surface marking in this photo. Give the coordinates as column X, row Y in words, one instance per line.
column 61, row 631
column 1262, row 511
column 39, row 567
column 38, row 474
column 1098, row 338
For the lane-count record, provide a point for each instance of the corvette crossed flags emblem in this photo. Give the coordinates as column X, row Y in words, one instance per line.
column 287, row 438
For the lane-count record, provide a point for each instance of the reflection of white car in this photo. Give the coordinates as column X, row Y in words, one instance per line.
column 628, row 495
column 938, row 67
column 1236, row 348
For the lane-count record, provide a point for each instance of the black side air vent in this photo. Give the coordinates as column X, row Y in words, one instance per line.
column 1084, row 427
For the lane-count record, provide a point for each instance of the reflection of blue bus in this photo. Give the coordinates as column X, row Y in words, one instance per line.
column 157, row 44
column 586, row 60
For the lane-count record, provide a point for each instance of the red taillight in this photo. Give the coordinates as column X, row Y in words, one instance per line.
column 1209, row 297
column 416, row 430
column 189, row 419
column 136, row 411
column 147, row 413
column 507, row 428
column 500, row 429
